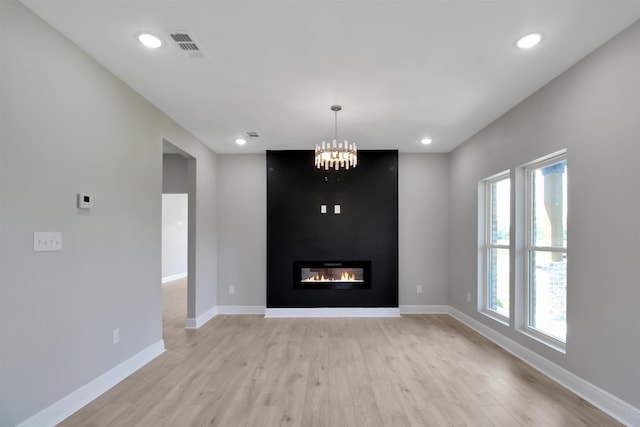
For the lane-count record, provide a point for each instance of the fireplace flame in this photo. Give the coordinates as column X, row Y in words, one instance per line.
column 347, row 278
column 344, row 277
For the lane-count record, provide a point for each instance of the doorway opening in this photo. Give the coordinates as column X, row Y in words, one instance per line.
column 175, row 210
column 178, row 236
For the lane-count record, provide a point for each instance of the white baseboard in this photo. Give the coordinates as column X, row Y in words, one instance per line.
column 424, row 309
column 202, row 319
column 223, row 309
column 241, row 309
column 74, row 401
column 603, row 400
column 333, row 312
column 174, row 277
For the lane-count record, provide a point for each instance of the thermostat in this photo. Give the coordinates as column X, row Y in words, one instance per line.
column 85, row 201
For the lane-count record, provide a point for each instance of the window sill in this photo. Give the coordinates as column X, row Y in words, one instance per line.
column 495, row 316
column 550, row 342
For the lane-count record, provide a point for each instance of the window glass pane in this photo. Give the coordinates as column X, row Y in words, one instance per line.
column 498, row 287
column 500, row 211
column 548, row 293
column 550, row 205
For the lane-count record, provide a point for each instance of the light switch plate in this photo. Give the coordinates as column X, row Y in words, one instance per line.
column 45, row 241
column 336, row 209
column 323, row 209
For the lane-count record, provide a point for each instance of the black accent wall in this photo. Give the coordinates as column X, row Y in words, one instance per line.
column 365, row 230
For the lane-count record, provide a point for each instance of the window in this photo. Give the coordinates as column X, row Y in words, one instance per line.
column 533, row 297
column 495, row 286
column 546, row 249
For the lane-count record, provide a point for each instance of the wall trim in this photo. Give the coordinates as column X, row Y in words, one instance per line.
column 333, row 312
column 241, row 309
column 174, row 277
column 192, row 323
column 68, row 405
column 603, row 400
column 424, row 309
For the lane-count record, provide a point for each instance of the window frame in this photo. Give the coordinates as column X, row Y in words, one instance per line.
column 530, row 248
column 487, row 245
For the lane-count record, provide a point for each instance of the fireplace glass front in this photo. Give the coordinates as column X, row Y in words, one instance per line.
column 332, row 274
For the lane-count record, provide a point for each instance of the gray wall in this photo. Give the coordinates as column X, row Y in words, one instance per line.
column 593, row 110
column 67, row 126
column 423, row 210
column 174, row 235
column 423, row 239
column 174, row 174
column 242, row 229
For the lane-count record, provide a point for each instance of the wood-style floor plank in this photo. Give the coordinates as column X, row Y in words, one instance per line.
column 418, row 370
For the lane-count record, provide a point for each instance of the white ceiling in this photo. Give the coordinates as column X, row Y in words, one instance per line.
column 402, row 70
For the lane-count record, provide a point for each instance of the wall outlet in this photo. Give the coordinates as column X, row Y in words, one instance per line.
column 468, row 296
column 232, row 289
column 419, row 289
column 116, row 335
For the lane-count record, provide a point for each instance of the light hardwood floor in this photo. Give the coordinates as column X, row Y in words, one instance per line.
column 417, row 370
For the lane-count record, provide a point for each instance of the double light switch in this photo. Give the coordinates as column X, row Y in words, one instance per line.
column 336, row 209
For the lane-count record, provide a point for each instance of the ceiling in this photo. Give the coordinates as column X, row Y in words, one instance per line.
column 402, row 70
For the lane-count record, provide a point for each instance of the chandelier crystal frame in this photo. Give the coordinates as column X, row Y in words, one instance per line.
column 337, row 154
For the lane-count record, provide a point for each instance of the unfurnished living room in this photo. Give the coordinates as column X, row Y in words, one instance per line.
column 319, row 213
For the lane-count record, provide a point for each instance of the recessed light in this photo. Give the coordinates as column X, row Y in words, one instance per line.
column 149, row 40
column 241, row 141
column 529, row 41
column 426, row 141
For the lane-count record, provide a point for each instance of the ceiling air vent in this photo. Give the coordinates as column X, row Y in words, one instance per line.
column 252, row 134
column 186, row 43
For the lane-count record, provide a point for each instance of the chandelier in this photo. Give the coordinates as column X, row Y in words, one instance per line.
column 337, row 154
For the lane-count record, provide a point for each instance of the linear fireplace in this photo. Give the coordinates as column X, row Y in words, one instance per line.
column 332, row 274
